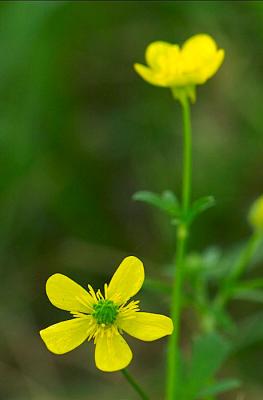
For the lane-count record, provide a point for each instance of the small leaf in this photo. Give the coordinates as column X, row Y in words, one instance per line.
column 169, row 196
column 199, row 206
column 250, row 331
column 170, row 202
column 219, row 387
column 252, row 283
column 166, row 202
column 208, row 354
column 240, row 293
column 205, row 265
column 224, row 320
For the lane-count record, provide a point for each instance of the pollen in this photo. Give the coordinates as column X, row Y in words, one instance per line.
column 105, row 312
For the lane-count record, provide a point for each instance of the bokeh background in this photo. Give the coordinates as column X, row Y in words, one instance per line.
column 80, row 132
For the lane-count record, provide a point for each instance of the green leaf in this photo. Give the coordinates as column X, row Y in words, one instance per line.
column 250, row 290
column 214, row 264
column 252, row 283
column 166, row 201
column 240, row 293
column 219, row 387
column 203, row 264
column 208, row 354
column 200, row 206
column 223, row 319
column 250, row 331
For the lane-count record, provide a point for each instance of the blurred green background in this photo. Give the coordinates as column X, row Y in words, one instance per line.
column 80, row 132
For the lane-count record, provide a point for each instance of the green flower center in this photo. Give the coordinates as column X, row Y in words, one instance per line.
column 105, row 312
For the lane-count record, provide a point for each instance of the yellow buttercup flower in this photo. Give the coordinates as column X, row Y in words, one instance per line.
column 256, row 215
column 181, row 68
column 103, row 318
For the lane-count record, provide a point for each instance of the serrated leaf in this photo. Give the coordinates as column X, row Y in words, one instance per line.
column 219, row 387
column 200, row 206
column 166, row 202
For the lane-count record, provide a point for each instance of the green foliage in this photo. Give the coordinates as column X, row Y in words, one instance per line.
column 200, row 206
column 249, row 332
column 218, row 388
column 166, row 202
column 242, row 293
column 209, row 352
column 169, row 204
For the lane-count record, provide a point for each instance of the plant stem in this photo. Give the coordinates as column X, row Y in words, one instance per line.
column 173, row 358
column 246, row 256
column 242, row 262
column 134, row 384
column 187, row 155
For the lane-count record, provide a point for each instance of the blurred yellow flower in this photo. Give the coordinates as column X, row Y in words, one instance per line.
column 256, row 214
column 103, row 318
column 170, row 66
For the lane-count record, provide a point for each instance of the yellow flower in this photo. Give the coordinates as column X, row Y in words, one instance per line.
column 256, row 214
column 181, row 69
column 103, row 318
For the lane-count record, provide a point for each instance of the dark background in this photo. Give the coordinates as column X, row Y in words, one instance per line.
column 80, row 132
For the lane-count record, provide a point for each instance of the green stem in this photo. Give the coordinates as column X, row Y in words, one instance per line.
column 134, row 384
column 173, row 357
column 239, row 268
column 246, row 256
column 187, row 155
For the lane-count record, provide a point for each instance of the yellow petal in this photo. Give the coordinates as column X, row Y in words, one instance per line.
column 66, row 294
column 127, row 280
column 147, row 326
column 201, row 45
column 161, row 55
column 211, row 68
column 200, row 59
column 150, row 75
column 112, row 353
column 67, row 335
column 164, row 60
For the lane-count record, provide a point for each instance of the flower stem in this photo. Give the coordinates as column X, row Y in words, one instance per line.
column 134, row 384
column 173, row 359
column 187, row 156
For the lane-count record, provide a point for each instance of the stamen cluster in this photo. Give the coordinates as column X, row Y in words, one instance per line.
column 105, row 312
